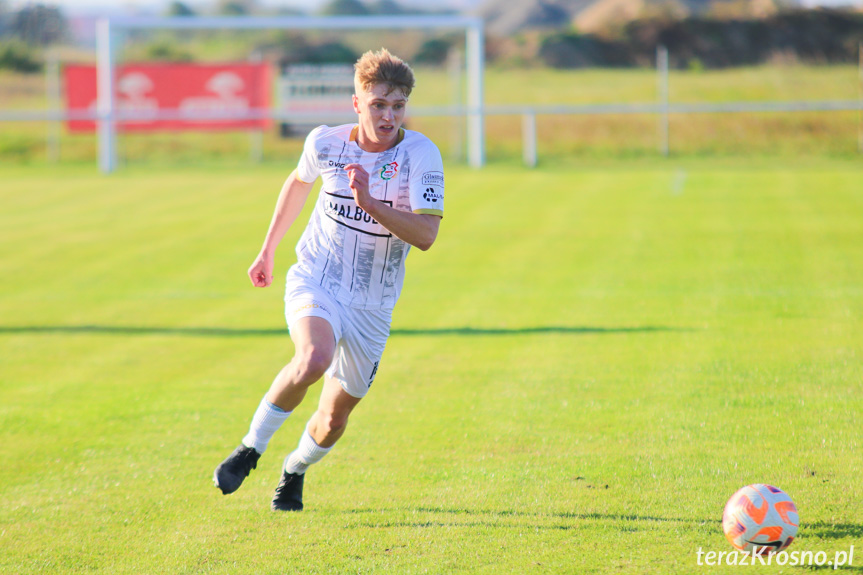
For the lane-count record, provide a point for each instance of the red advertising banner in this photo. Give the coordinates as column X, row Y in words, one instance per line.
column 182, row 90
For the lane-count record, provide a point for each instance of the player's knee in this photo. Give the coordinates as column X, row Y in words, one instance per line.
column 311, row 364
column 331, row 422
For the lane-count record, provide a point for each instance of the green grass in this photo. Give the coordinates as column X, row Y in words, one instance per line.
column 582, row 370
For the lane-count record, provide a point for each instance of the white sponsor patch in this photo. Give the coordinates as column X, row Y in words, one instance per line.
column 433, row 179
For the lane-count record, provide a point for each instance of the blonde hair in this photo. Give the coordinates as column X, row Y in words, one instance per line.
column 381, row 67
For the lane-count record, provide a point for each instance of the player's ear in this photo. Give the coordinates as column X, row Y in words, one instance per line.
column 356, row 102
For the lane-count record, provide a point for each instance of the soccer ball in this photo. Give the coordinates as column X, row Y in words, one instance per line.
column 761, row 519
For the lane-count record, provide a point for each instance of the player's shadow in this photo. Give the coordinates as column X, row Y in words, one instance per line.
column 564, row 515
column 554, row 329
column 443, row 517
column 267, row 332
column 827, row 530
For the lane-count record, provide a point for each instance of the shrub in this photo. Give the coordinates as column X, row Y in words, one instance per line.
column 17, row 56
column 434, row 51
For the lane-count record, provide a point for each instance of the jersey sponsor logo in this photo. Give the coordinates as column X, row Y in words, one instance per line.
column 389, row 171
column 344, row 211
column 431, row 195
column 433, row 179
column 312, row 305
column 333, row 164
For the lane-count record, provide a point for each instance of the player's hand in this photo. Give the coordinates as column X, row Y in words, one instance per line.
column 359, row 183
column 261, row 272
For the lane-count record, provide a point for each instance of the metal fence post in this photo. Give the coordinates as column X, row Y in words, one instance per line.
column 662, row 88
column 256, row 135
column 860, row 99
column 455, row 70
column 475, row 44
column 52, row 87
column 105, row 101
column 528, row 135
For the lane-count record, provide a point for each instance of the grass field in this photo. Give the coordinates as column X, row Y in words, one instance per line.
column 582, row 370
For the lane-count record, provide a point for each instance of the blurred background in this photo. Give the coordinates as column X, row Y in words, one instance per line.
column 565, row 80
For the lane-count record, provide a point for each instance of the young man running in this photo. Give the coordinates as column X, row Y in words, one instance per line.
column 382, row 192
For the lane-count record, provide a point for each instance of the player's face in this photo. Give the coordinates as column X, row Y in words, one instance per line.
column 380, row 116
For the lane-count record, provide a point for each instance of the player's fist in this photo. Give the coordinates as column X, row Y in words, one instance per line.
column 261, row 272
column 359, row 183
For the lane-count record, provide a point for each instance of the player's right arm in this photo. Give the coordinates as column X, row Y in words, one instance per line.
column 291, row 200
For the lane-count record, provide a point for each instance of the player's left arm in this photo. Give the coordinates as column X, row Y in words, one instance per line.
column 419, row 230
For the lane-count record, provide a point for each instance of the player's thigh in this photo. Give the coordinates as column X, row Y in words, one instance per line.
column 305, row 299
column 313, row 319
column 314, row 339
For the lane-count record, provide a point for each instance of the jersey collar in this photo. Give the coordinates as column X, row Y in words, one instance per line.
column 399, row 138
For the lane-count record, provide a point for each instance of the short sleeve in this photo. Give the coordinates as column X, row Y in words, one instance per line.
column 307, row 168
column 426, row 182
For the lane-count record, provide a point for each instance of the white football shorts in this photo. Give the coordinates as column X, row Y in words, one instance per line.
column 361, row 335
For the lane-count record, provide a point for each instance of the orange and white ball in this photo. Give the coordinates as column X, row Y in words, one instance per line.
column 760, row 517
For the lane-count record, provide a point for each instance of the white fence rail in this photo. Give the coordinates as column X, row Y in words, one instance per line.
column 107, row 115
column 451, row 111
column 528, row 113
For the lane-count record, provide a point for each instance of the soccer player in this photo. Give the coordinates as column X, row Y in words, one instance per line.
column 382, row 192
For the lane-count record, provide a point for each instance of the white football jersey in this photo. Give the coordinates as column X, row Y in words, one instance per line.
column 350, row 254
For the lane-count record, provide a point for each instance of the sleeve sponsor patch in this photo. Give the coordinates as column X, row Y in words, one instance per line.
column 433, row 179
column 432, row 195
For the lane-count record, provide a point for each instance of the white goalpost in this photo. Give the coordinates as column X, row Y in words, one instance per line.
column 109, row 29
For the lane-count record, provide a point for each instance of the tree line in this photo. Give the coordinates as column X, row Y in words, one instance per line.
column 820, row 36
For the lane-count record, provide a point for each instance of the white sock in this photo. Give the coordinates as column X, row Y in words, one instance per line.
column 307, row 453
column 266, row 421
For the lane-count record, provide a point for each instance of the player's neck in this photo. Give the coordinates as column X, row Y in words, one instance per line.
column 371, row 146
